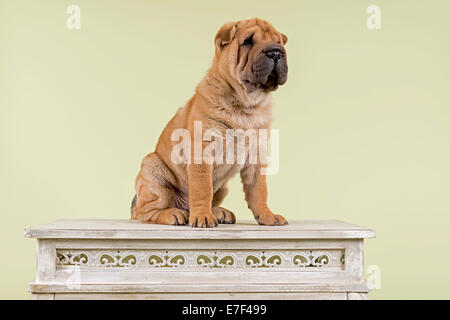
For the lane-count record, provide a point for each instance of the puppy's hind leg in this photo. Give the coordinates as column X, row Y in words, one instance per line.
column 155, row 201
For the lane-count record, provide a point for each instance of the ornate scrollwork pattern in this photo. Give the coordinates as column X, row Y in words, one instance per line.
column 263, row 259
column 198, row 259
column 69, row 258
column 311, row 260
column 116, row 259
column 216, row 259
column 166, row 260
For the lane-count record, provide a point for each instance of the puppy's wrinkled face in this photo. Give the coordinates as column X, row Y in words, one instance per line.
column 252, row 51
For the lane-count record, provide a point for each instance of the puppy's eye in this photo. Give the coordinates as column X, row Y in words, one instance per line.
column 248, row 41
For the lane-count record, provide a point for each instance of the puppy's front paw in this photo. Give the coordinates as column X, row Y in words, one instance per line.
column 271, row 219
column 202, row 220
column 223, row 215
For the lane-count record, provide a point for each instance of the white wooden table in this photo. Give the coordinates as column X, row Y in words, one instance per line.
column 124, row 259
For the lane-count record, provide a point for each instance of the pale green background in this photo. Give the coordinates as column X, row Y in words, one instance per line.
column 364, row 119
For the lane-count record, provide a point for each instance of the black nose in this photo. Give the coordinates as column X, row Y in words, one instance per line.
column 274, row 54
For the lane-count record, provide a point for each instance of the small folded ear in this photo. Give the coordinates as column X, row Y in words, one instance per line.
column 225, row 35
column 284, row 38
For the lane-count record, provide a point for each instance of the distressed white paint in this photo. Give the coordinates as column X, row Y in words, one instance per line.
column 115, row 259
column 132, row 229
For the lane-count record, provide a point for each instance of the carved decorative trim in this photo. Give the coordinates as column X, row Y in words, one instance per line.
column 199, row 259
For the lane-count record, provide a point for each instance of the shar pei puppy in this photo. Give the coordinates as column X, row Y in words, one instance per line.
column 185, row 183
